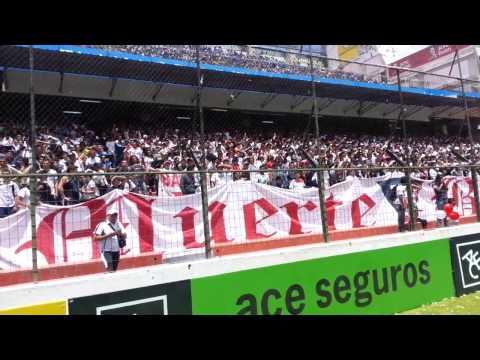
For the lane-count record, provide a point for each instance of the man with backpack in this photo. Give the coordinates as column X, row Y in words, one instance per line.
column 111, row 237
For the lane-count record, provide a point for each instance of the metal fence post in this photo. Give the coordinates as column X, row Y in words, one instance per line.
column 465, row 102
column 320, row 179
column 206, row 224
column 411, row 211
column 203, row 175
column 474, row 170
column 402, row 109
column 33, row 180
column 323, row 209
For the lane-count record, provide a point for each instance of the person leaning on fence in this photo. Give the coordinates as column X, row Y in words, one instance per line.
column 401, row 202
column 419, row 214
column 108, row 234
column 22, row 200
column 8, row 190
column 441, row 198
column 187, row 181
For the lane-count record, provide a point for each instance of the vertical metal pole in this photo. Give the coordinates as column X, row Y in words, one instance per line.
column 465, row 103
column 203, row 175
column 400, row 115
column 473, row 171
column 411, row 212
column 33, row 180
column 321, row 185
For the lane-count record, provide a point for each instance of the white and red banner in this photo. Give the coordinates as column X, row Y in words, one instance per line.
column 238, row 212
column 169, row 184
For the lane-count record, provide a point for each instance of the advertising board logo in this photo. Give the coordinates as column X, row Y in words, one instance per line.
column 151, row 306
column 469, row 260
column 162, row 299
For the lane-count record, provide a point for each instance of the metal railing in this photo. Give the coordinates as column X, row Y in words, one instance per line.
column 196, row 224
column 229, row 210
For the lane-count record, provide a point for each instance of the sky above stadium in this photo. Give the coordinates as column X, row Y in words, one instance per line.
column 393, row 53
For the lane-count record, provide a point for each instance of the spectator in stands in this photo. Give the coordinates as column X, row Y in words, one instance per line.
column 8, row 190
column 89, row 188
column 234, row 151
column 68, row 191
column 187, row 181
column 401, row 202
column 46, row 168
column 262, row 177
column 441, row 198
column 220, row 55
column 278, row 182
column 23, row 198
column 298, row 182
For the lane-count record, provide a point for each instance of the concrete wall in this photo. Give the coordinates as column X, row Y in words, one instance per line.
column 57, row 290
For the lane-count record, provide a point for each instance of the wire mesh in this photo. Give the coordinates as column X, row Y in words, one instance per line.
column 135, row 128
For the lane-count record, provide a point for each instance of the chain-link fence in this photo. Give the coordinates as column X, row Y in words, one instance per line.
column 210, row 150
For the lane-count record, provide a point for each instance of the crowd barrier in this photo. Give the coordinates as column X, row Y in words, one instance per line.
column 236, row 217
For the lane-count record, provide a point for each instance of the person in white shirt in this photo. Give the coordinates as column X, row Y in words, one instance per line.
column 108, row 234
column 297, row 183
column 92, row 159
column 253, row 174
column 79, row 164
column 89, row 190
column 147, row 160
column 224, row 178
column 263, row 178
column 136, row 150
column 50, row 180
column 401, row 203
column 100, row 180
column 8, row 193
column 23, row 198
column 62, row 163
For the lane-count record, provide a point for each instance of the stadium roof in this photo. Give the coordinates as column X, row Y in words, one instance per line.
column 64, row 70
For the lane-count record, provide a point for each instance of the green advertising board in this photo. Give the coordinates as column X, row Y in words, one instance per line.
column 383, row 281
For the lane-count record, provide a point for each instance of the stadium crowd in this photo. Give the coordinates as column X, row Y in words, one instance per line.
column 219, row 55
column 99, row 155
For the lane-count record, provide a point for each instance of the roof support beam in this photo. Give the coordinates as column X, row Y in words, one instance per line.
column 356, row 105
column 157, row 92
column 60, row 87
column 327, row 104
column 114, row 85
column 268, row 100
column 441, row 110
column 413, row 111
column 298, row 102
column 399, row 107
column 194, row 97
column 5, row 79
column 370, row 106
column 456, row 112
column 233, row 96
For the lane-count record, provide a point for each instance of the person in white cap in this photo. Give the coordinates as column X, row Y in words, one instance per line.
column 108, row 234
